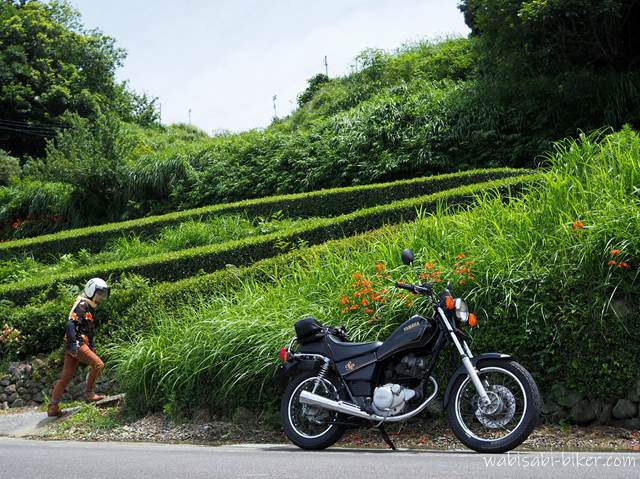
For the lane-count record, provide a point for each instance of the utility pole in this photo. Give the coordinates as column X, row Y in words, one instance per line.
column 189, row 115
column 275, row 115
column 326, row 66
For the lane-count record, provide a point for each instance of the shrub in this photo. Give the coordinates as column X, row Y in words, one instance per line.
column 9, row 168
column 184, row 263
column 317, row 203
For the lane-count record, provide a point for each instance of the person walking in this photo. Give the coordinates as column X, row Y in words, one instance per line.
column 79, row 346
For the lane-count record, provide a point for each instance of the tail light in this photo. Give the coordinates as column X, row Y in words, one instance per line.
column 283, row 355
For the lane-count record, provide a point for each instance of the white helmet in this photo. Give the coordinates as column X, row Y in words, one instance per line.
column 96, row 284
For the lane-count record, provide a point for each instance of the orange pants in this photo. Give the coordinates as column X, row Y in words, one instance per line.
column 85, row 356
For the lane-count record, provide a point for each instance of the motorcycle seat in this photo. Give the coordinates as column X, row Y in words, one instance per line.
column 342, row 350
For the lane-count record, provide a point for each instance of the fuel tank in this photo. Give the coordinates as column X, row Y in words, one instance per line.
column 415, row 332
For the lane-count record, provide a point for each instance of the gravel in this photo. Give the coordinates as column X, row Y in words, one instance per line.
column 423, row 433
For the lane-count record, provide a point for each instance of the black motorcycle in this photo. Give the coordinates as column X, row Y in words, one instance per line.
column 330, row 384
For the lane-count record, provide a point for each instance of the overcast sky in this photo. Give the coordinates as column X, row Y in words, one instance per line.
column 225, row 60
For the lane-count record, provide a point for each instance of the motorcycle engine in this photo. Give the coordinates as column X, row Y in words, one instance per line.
column 390, row 399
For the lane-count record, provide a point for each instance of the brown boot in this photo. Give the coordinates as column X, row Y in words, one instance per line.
column 54, row 411
column 92, row 397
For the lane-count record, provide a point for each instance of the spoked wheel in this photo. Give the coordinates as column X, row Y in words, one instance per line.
column 507, row 420
column 307, row 426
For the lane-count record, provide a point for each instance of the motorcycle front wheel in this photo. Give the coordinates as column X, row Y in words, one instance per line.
column 504, row 423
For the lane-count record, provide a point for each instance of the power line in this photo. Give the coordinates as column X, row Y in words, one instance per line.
column 32, row 130
column 28, row 132
column 37, row 125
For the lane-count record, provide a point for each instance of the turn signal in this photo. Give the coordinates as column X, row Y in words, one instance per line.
column 473, row 320
column 284, row 355
column 449, row 302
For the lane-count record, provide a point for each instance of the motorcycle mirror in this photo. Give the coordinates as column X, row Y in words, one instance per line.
column 407, row 257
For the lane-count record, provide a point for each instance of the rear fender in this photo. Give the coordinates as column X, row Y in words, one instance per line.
column 293, row 367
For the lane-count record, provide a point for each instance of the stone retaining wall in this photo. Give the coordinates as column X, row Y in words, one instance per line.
column 564, row 404
column 26, row 383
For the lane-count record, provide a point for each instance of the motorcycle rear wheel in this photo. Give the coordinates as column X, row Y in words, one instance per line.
column 310, row 427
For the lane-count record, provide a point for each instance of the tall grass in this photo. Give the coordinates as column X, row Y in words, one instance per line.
column 541, row 283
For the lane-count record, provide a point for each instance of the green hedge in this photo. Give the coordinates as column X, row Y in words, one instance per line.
column 189, row 262
column 329, row 202
column 133, row 303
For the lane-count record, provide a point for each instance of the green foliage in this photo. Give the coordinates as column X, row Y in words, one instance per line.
column 544, row 289
column 547, row 37
column 9, row 168
column 314, row 85
column 33, row 207
column 42, row 323
column 330, row 202
column 187, row 262
column 92, row 157
column 50, row 64
column 172, row 238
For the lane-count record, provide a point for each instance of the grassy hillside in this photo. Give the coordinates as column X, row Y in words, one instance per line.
column 35, row 295
column 553, row 277
column 420, row 110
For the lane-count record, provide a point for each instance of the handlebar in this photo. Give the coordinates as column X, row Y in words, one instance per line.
column 415, row 288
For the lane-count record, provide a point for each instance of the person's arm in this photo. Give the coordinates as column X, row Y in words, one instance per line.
column 71, row 337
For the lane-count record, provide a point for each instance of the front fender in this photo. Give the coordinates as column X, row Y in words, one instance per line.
column 461, row 371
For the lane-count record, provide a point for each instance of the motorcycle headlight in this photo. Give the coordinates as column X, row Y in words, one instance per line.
column 462, row 311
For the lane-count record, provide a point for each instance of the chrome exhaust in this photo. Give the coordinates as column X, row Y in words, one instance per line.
column 313, row 399
column 349, row 409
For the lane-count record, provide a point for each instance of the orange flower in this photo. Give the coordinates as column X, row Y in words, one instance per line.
column 343, row 300
column 577, row 224
column 611, row 263
column 615, row 252
column 379, row 267
column 353, row 307
column 623, row 265
column 428, row 266
column 368, row 311
column 364, row 302
column 460, row 256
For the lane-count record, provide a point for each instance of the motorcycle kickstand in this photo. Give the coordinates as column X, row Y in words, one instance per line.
column 386, row 437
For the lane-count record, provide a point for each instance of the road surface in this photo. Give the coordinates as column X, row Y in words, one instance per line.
column 31, row 459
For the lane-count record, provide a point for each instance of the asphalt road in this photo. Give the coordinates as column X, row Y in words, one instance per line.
column 24, row 458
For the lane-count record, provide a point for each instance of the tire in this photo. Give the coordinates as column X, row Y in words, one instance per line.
column 295, row 431
column 528, row 418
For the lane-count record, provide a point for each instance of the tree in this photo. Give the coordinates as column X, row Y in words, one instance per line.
column 315, row 83
column 50, row 64
column 93, row 157
column 552, row 36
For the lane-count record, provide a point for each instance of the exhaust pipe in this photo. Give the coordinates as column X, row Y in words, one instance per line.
column 349, row 409
column 338, row 406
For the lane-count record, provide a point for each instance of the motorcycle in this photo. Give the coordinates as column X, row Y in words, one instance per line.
column 330, row 384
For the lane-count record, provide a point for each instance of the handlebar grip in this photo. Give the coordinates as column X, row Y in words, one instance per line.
column 408, row 287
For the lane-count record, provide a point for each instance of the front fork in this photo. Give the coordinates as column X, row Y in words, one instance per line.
column 465, row 354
